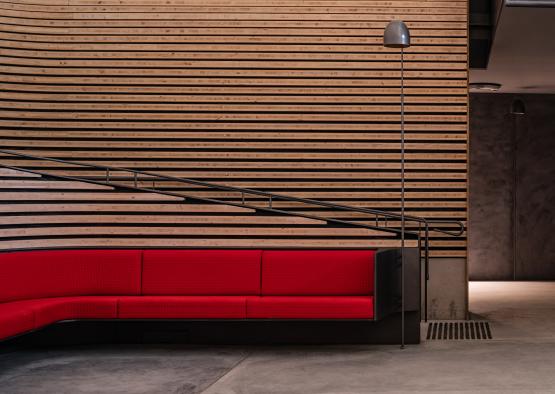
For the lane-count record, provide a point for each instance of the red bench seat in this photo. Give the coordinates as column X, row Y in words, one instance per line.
column 38, row 288
column 182, row 307
column 303, row 307
column 52, row 310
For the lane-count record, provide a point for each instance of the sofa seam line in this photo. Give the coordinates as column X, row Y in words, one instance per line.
column 141, row 272
column 262, row 251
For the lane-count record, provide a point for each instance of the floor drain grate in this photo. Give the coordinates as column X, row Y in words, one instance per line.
column 467, row 330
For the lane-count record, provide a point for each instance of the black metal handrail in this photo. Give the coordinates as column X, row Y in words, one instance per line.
column 424, row 225
column 109, row 182
column 272, row 197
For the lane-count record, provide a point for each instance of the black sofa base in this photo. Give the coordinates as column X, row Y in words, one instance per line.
column 229, row 332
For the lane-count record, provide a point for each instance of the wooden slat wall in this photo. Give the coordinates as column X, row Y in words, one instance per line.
column 295, row 97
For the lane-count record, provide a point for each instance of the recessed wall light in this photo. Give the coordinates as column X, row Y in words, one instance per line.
column 486, row 86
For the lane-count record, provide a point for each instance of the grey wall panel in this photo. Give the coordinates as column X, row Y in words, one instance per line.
column 536, row 191
column 491, row 189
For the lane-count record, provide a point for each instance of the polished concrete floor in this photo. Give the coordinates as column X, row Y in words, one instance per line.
column 520, row 359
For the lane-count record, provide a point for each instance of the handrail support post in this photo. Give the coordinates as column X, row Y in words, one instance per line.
column 426, row 268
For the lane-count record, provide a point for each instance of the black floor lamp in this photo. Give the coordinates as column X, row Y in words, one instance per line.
column 518, row 110
column 397, row 35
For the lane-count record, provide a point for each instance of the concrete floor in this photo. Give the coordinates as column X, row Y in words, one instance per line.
column 520, row 359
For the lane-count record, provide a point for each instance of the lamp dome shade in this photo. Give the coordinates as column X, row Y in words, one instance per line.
column 396, row 35
column 517, row 107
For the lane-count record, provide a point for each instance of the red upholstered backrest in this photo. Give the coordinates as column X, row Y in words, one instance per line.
column 318, row 272
column 201, row 272
column 58, row 273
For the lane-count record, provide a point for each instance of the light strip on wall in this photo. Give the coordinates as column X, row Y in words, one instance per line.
column 530, row 3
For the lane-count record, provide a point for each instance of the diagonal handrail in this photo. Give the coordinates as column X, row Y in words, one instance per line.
column 272, row 197
column 424, row 225
column 109, row 182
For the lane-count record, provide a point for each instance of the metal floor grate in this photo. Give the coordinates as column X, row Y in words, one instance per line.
column 465, row 330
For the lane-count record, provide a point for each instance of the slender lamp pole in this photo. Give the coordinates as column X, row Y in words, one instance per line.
column 397, row 35
column 517, row 110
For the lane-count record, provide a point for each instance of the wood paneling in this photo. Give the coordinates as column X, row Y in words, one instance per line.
column 288, row 96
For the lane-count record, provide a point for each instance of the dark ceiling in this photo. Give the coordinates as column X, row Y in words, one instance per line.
column 513, row 43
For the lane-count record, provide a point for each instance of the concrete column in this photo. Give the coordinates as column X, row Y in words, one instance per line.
column 447, row 289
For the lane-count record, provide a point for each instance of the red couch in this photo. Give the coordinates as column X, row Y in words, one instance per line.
column 38, row 288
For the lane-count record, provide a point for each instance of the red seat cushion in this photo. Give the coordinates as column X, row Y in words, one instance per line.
column 182, row 307
column 59, row 273
column 15, row 319
column 201, row 272
column 321, row 307
column 318, row 272
column 51, row 310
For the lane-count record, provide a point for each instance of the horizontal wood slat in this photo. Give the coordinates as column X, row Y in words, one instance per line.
column 156, row 219
column 169, row 167
column 87, row 196
column 41, row 184
column 245, row 155
column 116, row 207
column 270, row 175
column 128, row 99
column 6, row 172
column 289, row 96
column 130, row 242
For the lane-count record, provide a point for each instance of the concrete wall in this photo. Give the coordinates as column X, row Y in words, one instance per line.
column 493, row 193
column 490, row 188
column 447, row 289
column 536, row 191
